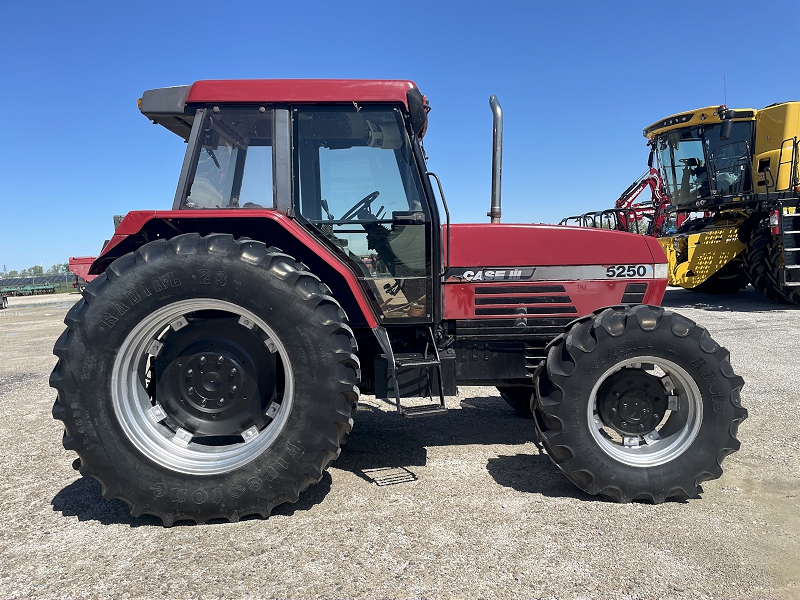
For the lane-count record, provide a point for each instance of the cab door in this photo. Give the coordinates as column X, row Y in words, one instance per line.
column 357, row 187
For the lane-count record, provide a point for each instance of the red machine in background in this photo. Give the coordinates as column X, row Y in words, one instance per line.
column 629, row 214
column 79, row 266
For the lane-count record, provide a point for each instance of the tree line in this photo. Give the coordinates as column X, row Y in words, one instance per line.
column 57, row 269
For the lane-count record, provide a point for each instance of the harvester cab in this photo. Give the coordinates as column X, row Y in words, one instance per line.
column 214, row 366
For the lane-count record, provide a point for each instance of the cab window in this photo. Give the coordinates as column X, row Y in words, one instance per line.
column 233, row 168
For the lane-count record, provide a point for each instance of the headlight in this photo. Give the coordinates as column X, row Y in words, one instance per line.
column 660, row 271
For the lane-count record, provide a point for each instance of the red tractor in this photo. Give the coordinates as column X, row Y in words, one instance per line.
column 214, row 366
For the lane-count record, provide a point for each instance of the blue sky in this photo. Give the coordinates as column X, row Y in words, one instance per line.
column 578, row 82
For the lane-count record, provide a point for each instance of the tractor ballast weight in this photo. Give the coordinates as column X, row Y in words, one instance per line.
column 214, row 365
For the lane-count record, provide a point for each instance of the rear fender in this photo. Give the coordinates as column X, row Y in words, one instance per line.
column 268, row 226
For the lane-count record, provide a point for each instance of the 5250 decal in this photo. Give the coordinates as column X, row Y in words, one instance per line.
column 628, row 270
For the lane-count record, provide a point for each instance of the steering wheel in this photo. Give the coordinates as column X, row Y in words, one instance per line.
column 363, row 203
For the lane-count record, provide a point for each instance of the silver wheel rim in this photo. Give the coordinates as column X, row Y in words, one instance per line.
column 676, row 430
column 139, row 417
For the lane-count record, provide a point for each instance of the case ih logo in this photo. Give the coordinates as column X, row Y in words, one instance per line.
column 551, row 273
column 494, row 274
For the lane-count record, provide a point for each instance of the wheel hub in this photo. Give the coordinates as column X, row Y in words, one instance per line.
column 632, row 402
column 212, row 382
column 215, row 378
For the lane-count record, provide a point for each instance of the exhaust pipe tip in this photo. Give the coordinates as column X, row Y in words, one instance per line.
column 497, row 157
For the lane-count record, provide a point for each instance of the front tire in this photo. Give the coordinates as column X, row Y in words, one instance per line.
column 728, row 280
column 203, row 378
column 638, row 403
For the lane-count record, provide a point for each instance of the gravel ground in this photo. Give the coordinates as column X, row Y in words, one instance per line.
column 478, row 511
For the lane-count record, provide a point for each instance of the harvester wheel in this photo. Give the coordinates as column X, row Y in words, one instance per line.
column 760, row 264
column 205, row 377
column 728, row 280
column 518, row 398
column 638, row 403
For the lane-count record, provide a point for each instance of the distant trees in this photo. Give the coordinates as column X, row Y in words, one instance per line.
column 56, row 269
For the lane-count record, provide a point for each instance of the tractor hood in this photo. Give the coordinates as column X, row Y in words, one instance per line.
column 476, row 245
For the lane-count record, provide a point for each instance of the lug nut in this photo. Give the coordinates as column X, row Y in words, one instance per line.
column 233, row 389
column 190, row 390
column 233, row 372
column 221, row 401
column 190, row 373
column 202, row 360
column 220, row 360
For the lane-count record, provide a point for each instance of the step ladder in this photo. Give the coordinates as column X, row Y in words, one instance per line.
column 791, row 248
column 432, row 363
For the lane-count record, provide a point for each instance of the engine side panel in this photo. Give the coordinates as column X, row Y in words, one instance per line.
column 531, row 279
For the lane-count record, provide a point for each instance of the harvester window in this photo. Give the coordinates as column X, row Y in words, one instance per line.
column 233, row 168
column 696, row 164
column 358, row 186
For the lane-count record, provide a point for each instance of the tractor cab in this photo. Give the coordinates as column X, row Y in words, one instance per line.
column 354, row 181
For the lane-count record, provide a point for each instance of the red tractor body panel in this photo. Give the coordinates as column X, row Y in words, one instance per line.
column 136, row 220
column 484, row 257
column 545, row 270
column 299, row 90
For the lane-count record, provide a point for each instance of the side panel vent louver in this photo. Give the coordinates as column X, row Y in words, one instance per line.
column 634, row 293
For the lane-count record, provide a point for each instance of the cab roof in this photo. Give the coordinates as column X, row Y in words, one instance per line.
column 173, row 107
column 173, row 101
column 300, row 90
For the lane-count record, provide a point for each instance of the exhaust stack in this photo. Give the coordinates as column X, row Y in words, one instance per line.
column 497, row 157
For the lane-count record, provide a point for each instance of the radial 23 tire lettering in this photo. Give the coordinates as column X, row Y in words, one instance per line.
column 638, row 403
column 205, row 377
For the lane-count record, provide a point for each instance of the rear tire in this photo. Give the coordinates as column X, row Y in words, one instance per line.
column 157, row 362
column 648, row 375
column 518, row 398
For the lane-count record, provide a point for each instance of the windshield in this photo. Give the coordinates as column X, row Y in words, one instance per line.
column 696, row 164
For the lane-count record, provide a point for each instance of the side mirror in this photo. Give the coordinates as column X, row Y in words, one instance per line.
column 418, row 110
column 725, row 130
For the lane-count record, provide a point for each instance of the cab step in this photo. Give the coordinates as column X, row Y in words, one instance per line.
column 432, row 363
column 425, row 410
column 414, row 360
